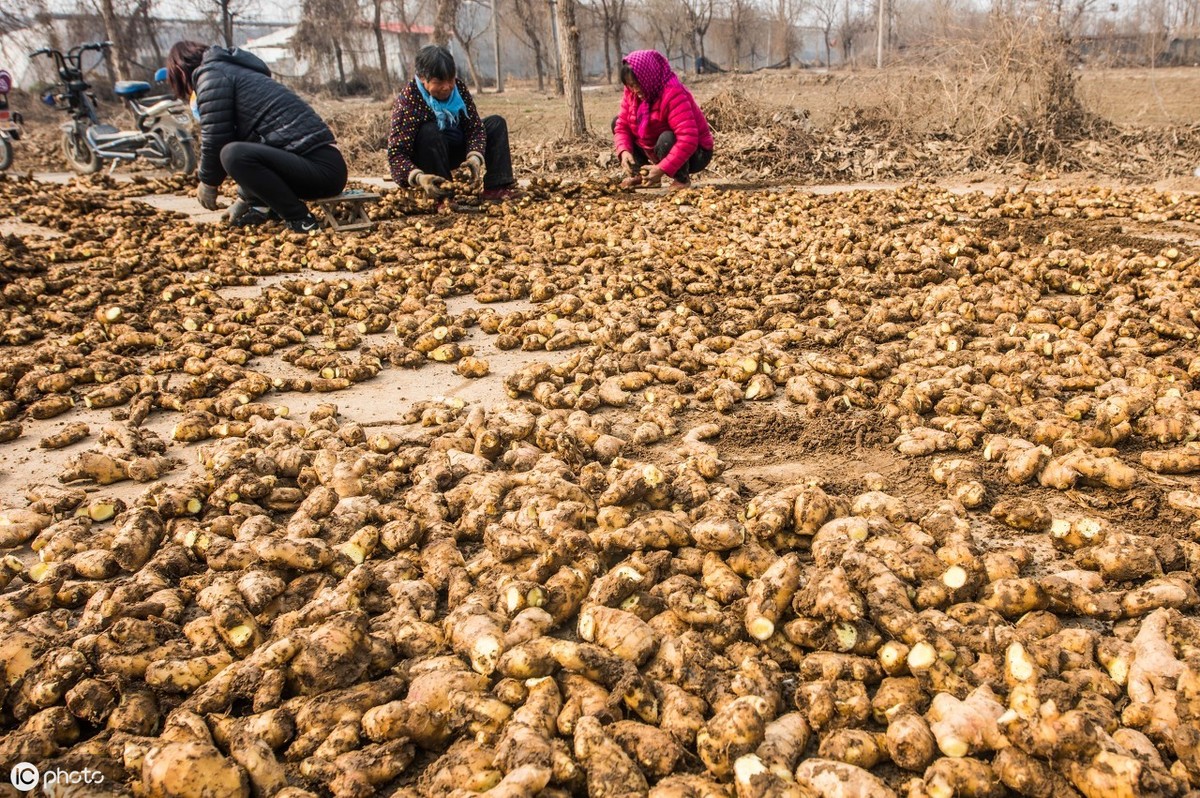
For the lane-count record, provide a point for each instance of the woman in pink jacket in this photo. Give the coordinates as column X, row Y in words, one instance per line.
column 660, row 130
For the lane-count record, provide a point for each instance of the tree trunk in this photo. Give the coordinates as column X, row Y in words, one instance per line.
column 226, row 22
column 407, row 47
column 337, row 52
column 443, row 21
column 784, row 39
column 616, row 37
column 496, row 45
column 539, row 62
column 571, row 69
column 559, row 88
column 112, row 30
column 607, row 54
column 470, row 65
column 150, row 31
column 381, row 48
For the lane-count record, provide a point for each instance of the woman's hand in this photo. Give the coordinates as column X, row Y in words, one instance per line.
column 628, row 163
column 430, row 184
column 474, row 164
column 652, row 174
column 207, row 196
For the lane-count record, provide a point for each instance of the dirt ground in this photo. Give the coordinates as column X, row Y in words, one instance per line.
column 835, row 450
column 968, row 404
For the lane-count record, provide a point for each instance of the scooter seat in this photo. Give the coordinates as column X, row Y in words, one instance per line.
column 102, row 134
column 131, row 88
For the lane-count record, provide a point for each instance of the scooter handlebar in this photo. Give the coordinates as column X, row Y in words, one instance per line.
column 92, row 46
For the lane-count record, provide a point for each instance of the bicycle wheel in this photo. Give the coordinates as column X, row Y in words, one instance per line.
column 79, row 155
column 181, row 157
column 6, row 153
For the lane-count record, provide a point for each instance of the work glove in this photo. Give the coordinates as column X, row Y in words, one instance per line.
column 207, row 195
column 474, row 164
column 238, row 207
column 430, row 184
column 628, row 163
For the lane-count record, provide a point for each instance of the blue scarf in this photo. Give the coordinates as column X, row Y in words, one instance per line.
column 446, row 112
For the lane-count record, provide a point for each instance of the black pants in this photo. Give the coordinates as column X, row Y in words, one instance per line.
column 436, row 153
column 700, row 159
column 281, row 180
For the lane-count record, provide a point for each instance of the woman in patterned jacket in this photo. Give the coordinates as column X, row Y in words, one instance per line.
column 436, row 129
column 660, row 130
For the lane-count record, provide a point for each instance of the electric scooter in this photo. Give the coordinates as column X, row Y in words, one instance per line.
column 162, row 134
column 10, row 122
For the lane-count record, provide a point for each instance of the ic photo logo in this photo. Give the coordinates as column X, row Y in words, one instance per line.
column 24, row 776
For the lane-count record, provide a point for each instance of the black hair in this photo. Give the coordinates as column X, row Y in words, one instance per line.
column 627, row 76
column 183, row 59
column 435, row 63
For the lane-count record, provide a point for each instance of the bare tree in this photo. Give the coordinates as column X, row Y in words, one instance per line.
column 444, row 19
column 220, row 15
column 149, row 28
column 385, row 76
column 128, row 24
column 741, row 17
column 571, row 69
column 117, row 57
column 670, row 29
column 619, row 19
column 11, row 20
column 530, row 28
column 496, row 45
column 559, row 87
column 613, row 18
column 323, row 30
column 1069, row 14
column 825, row 16
column 787, row 15
column 699, row 14
column 466, row 31
column 408, row 48
column 226, row 21
column 852, row 24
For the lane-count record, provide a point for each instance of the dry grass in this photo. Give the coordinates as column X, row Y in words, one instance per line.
column 998, row 111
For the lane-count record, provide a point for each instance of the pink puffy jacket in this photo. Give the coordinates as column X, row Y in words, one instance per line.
column 669, row 106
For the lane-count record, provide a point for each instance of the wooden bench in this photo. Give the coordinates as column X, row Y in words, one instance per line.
column 346, row 211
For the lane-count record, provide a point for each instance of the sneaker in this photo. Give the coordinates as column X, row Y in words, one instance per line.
column 251, row 217
column 632, row 182
column 499, row 194
column 677, row 185
column 305, row 224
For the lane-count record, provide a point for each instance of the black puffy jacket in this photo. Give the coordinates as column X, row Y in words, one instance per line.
column 239, row 101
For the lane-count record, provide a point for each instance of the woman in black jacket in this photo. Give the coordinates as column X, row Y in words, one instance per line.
column 258, row 132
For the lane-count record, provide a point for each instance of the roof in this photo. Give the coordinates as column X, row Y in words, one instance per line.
column 279, row 38
column 404, row 27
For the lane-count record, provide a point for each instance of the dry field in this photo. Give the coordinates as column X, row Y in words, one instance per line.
column 847, row 127
column 809, row 127
column 739, row 491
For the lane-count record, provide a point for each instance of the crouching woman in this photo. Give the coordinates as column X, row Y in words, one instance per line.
column 437, row 129
column 659, row 130
column 258, row 132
